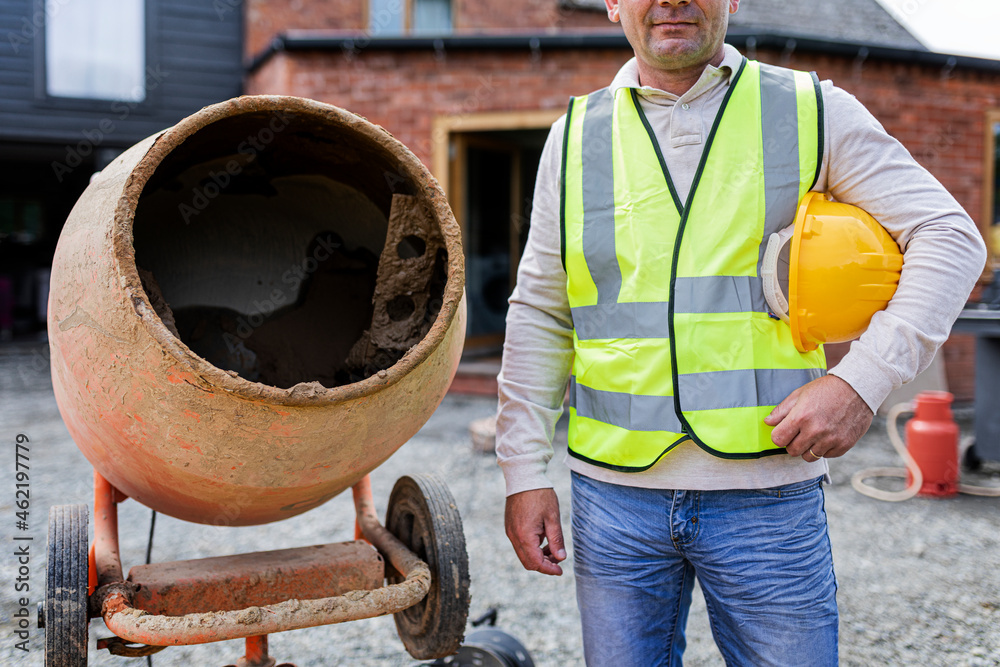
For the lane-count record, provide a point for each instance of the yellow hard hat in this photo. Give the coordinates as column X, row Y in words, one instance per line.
column 843, row 267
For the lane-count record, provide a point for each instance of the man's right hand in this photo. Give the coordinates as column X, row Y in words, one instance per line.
column 531, row 519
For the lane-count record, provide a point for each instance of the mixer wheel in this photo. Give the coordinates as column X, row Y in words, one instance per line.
column 423, row 515
column 66, row 587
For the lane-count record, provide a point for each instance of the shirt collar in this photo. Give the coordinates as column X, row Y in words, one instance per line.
column 628, row 77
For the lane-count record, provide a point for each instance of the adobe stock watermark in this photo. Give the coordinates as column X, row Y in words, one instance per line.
column 909, row 7
column 32, row 25
column 22, row 547
column 293, row 278
column 943, row 142
column 377, row 24
column 475, row 101
column 93, row 137
column 35, row 368
column 224, row 7
column 218, row 181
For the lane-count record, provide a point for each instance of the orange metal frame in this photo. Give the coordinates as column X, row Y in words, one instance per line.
column 113, row 596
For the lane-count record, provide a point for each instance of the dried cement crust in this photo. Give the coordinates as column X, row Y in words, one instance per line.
column 412, row 260
column 156, row 300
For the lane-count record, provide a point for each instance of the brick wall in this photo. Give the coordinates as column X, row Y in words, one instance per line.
column 404, row 91
column 267, row 18
column 524, row 15
column 939, row 115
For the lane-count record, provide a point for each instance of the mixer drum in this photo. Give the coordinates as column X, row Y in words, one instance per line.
column 253, row 309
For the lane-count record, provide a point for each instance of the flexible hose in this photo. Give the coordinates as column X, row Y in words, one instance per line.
column 917, row 476
column 988, row 491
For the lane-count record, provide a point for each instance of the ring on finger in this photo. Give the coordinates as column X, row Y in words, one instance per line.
column 814, row 454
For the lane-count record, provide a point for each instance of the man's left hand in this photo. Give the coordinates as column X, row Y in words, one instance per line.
column 824, row 418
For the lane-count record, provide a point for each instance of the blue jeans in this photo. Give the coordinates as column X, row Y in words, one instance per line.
column 762, row 558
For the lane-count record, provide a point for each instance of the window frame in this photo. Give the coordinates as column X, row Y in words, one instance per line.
column 146, row 106
column 450, row 137
column 990, row 193
column 407, row 18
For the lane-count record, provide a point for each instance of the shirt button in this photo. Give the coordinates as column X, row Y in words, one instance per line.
column 685, row 106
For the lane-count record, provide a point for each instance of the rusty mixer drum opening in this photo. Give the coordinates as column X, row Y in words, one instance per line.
column 258, row 242
column 253, row 309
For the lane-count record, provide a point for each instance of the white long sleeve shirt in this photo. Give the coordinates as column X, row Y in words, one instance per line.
column 862, row 165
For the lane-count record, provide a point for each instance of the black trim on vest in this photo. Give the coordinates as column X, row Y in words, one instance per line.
column 659, row 154
column 821, row 127
column 609, row 466
column 688, row 432
column 737, row 457
column 673, row 280
column 562, row 185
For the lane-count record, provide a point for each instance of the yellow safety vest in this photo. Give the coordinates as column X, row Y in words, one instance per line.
column 672, row 333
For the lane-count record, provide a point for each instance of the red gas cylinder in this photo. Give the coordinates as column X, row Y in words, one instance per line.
column 932, row 440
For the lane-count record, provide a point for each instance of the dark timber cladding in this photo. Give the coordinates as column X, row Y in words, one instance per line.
column 193, row 58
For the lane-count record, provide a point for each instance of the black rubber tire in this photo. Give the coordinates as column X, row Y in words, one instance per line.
column 422, row 513
column 970, row 459
column 66, row 574
column 497, row 643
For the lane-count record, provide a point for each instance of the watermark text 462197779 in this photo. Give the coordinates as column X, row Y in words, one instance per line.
column 22, row 541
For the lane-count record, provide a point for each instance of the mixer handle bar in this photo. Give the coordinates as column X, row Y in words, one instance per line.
column 113, row 598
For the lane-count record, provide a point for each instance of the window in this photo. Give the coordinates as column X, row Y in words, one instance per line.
column 397, row 17
column 95, row 49
column 992, row 187
column 433, row 16
column 495, row 183
column 21, row 220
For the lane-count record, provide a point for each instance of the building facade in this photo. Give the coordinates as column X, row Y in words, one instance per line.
column 79, row 83
column 473, row 95
column 470, row 86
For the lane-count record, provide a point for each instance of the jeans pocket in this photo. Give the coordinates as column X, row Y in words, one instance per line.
column 793, row 489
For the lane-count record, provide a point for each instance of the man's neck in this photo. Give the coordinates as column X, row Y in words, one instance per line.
column 675, row 81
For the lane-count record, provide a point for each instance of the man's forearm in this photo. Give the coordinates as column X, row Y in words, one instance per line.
column 538, row 353
column 538, row 349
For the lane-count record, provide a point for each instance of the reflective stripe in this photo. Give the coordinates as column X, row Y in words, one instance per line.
column 621, row 320
column 699, row 391
column 742, row 389
column 718, row 294
column 780, row 129
column 634, row 413
column 599, row 197
column 706, row 294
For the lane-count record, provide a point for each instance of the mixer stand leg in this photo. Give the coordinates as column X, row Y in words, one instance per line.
column 362, row 492
column 257, row 656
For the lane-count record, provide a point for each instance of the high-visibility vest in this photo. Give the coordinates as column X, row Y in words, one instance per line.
column 672, row 334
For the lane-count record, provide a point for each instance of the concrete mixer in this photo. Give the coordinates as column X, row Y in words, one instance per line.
column 249, row 312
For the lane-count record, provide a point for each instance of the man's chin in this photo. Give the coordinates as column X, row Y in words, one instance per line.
column 678, row 53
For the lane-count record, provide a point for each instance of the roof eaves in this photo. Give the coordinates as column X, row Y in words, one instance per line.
column 748, row 40
column 357, row 42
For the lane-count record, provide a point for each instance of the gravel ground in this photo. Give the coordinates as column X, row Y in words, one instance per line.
column 919, row 581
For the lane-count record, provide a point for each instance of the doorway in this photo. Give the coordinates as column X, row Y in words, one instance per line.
column 493, row 183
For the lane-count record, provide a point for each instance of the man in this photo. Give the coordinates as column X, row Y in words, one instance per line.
column 698, row 435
